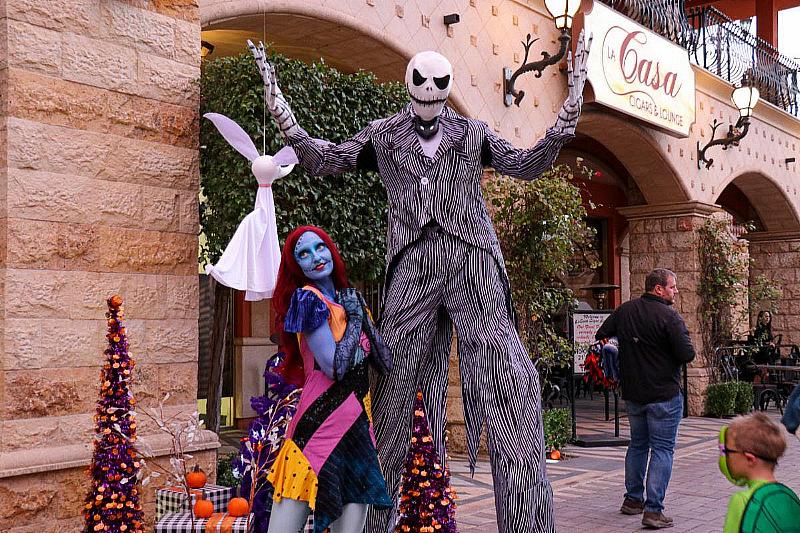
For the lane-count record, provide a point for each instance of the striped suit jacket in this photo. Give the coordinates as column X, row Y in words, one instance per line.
column 445, row 188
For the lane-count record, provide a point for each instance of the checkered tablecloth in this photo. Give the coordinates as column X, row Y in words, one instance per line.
column 173, row 499
column 218, row 523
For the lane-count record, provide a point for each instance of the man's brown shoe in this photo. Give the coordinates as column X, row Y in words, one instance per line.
column 631, row 506
column 656, row 521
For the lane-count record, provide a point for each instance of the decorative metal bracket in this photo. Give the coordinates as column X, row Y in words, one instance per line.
column 731, row 139
column 513, row 96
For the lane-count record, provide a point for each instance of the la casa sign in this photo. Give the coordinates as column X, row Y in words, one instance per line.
column 638, row 72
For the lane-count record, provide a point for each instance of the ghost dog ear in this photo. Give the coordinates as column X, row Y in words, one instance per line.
column 234, row 134
column 286, row 159
column 285, row 156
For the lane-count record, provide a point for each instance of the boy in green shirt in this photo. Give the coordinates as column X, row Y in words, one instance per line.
column 749, row 451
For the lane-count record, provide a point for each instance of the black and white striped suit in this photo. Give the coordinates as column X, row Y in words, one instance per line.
column 445, row 268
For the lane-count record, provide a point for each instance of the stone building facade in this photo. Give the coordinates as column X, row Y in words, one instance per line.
column 660, row 197
column 99, row 167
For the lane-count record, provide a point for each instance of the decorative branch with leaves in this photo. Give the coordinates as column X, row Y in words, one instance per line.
column 182, row 431
column 265, row 438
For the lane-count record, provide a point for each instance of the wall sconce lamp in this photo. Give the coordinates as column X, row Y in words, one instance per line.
column 745, row 99
column 562, row 12
column 452, row 18
column 206, row 48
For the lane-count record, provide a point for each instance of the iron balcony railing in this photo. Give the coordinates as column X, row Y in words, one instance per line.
column 721, row 46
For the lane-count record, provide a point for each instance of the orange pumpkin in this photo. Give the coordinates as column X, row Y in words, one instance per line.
column 238, row 507
column 196, row 479
column 203, row 508
column 555, row 454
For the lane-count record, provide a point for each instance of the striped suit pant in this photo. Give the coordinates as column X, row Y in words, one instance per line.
column 441, row 281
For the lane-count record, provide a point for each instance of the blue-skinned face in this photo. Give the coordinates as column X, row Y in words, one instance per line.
column 313, row 256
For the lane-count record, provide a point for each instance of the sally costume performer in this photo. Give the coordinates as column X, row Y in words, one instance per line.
column 329, row 462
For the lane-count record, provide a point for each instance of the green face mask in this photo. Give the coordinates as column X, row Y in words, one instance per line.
column 723, row 460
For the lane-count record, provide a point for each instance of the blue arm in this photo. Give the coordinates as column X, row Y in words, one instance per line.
column 322, row 345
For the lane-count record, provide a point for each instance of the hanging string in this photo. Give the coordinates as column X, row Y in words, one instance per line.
column 264, row 107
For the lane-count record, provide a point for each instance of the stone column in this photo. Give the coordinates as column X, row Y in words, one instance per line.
column 99, row 173
column 665, row 236
column 777, row 257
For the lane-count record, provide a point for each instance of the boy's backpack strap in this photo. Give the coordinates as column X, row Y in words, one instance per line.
column 773, row 508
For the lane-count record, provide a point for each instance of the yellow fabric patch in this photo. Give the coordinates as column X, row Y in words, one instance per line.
column 292, row 476
column 368, row 407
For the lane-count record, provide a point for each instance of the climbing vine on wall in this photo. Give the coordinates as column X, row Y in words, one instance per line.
column 724, row 285
column 330, row 105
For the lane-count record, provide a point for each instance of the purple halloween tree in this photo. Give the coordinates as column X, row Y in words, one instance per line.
column 427, row 502
column 113, row 500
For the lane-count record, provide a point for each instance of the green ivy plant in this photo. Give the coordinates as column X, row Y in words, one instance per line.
column 542, row 231
column 330, row 105
column 724, row 270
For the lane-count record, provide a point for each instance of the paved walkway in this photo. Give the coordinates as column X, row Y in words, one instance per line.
column 588, row 485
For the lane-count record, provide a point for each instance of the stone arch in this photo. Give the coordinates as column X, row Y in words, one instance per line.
column 639, row 153
column 310, row 30
column 767, row 197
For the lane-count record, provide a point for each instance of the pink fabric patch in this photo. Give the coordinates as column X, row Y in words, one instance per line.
column 315, row 385
column 330, row 433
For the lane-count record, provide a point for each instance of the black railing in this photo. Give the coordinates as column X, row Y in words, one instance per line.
column 721, row 46
column 665, row 17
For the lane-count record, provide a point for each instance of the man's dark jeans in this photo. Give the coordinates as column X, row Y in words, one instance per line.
column 654, row 427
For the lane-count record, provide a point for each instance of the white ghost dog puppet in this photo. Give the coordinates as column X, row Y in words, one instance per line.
column 250, row 261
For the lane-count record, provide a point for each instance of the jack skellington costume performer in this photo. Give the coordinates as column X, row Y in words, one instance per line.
column 445, row 267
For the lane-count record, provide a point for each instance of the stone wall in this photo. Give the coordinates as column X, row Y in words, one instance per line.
column 779, row 260
column 99, row 173
column 670, row 240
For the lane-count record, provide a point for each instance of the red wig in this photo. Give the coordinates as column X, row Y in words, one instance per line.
column 291, row 278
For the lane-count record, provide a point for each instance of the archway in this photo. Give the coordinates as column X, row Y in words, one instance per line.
column 639, row 155
column 750, row 195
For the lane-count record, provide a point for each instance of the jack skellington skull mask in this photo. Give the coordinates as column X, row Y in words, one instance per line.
column 429, row 78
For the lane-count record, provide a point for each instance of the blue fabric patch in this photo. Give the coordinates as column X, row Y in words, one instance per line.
column 306, row 312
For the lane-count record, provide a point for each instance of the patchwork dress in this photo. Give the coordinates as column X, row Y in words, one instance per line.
column 329, row 458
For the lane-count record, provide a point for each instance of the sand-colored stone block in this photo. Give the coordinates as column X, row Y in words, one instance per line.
column 167, row 80
column 179, row 380
column 77, row 16
column 64, row 150
column 33, row 343
column 3, row 43
column 47, row 392
column 98, row 63
column 40, row 195
column 21, row 501
column 169, row 341
column 181, row 9
column 82, row 295
column 63, row 103
column 140, row 29
column 49, row 431
column 50, row 245
column 34, row 48
column 187, row 43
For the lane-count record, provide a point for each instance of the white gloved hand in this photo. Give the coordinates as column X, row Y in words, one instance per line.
column 276, row 103
column 576, row 78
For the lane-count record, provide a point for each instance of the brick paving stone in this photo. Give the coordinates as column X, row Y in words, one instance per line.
column 589, row 486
